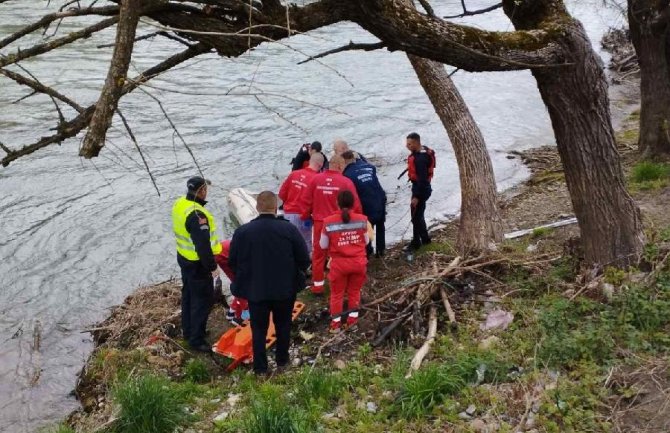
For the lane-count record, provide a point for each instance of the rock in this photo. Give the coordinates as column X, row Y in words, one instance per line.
column 531, row 248
column 306, row 335
column 215, row 400
column 530, row 421
column 488, row 343
column 464, row 416
column 371, row 407
column 497, row 319
column 233, row 399
column 479, row 426
column 471, row 410
column 608, row 290
column 340, row 365
column 296, row 362
column 221, row 417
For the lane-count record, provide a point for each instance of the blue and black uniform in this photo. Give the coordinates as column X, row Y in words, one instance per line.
column 373, row 199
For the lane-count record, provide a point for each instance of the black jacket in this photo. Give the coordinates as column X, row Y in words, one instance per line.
column 197, row 226
column 302, row 157
column 269, row 258
column 421, row 189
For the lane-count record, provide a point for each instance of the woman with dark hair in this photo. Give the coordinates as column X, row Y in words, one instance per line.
column 344, row 236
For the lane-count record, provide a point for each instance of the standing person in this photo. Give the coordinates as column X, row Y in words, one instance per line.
column 344, row 236
column 303, row 156
column 318, row 201
column 420, row 168
column 269, row 258
column 372, row 195
column 340, row 146
column 197, row 244
column 291, row 191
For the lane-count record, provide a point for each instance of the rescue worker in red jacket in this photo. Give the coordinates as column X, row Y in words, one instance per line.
column 420, row 167
column 319, row 201
column 239, row 307
column 291, row 191
column 345, row 236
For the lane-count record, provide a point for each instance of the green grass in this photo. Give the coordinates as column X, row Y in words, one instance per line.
column 150, row 404
column 196, row 371
column 540, row 232
column 60, row 428
column 647, row 175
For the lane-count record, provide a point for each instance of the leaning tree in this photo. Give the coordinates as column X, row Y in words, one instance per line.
column 547, row 41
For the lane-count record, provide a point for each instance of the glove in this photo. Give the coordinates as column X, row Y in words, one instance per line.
column 308, row 223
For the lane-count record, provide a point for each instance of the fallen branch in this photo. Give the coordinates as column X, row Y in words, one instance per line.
column 430, row 338
column 447, row 306
column 390, row 328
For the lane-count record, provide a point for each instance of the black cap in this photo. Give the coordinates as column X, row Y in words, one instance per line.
column 195, row 183
column 316, row 146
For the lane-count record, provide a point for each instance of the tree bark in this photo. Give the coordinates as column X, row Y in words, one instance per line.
column 116, row 78
column 578, row 104
column 480, row 222
column 649, row 33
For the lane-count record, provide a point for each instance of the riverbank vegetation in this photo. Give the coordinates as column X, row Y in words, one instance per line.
column 581, row 351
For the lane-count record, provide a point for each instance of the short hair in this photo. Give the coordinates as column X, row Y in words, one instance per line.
column 340, row 144
column 348, row 155
column 316, row 146
column 317, row 159
column 414, row 136
column 266, row 202
column 336, row 161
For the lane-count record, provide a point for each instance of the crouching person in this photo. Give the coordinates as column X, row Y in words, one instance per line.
column 344, row 236
column 269, row 257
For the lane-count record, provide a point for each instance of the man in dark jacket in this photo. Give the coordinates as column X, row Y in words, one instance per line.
column 420, row 167
column 306, row 151
column 269, row 258
column 197, row 243
column 372, row 196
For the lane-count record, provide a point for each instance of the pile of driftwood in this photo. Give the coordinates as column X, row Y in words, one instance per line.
column 624, row 62
column 423, row 292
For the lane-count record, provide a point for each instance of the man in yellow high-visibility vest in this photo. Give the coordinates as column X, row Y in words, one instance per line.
column 197, row 243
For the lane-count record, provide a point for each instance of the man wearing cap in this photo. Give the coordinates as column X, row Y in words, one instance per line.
column 301, row 159
column 197, row 244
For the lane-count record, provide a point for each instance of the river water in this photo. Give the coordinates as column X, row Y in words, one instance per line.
column 77, row 236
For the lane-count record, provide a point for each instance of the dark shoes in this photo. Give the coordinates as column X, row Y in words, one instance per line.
column 204, row 348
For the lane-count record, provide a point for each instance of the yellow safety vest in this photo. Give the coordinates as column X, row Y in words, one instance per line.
column 180, row 211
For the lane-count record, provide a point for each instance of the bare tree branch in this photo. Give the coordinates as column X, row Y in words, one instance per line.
column 48, row 46
column 76, row 125
column 116, row 77
column 467, row 13
column 137, row 146
column 41, row 88
column 427, row 7
column 152, row 35
column 47, row 19
column 351, row 46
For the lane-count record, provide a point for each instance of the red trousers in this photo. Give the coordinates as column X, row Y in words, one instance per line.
column 347, row 275
column 318, row 259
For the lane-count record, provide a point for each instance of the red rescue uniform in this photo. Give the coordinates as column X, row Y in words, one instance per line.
column 345, row 243
column 292, row 188
column 319, row 200
column 238, row 305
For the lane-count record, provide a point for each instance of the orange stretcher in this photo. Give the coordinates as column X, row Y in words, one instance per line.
column 235, row 343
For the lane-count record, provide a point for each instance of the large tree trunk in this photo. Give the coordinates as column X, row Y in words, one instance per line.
column 116, row 78
column 651, row 45
column 480, row 222
column 578, row 104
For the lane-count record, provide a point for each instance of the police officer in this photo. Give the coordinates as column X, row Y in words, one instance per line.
column 420, row 167
column 197, row 244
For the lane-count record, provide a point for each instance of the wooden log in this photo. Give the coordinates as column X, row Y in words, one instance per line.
column 430, row 338
column 447, row 306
